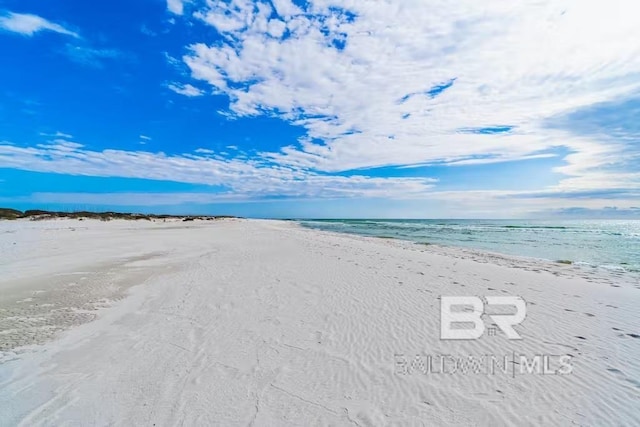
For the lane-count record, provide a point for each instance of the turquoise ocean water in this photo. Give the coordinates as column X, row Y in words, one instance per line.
column 609, row 244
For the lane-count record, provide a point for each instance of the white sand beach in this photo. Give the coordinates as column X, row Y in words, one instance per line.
column 248, row 322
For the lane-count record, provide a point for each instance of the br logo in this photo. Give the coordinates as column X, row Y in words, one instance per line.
column 460, row 318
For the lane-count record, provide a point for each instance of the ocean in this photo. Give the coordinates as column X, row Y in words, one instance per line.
column 608, row 244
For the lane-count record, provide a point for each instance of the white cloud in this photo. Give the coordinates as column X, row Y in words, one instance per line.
column 361, row 78
column 58, row 134
column 131, row 199
column 176, row 6
column 186, row 90
column 90, row 56
column 175, row 63
column 204, row 151
column 454, row 204
column 241, row 180
column 250, row 178
column 286, row 8
column 28, row 24
column 145, row 137
column 147, row 31
column 357, row 75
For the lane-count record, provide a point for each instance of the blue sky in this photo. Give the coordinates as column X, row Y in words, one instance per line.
column 321, row 108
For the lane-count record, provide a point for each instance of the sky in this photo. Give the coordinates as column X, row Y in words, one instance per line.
column 322, row 108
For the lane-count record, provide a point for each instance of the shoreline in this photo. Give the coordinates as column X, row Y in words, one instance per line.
column 42, row 215
column 238, row 320
column 614, row 268
column 495, row 256
column 445, row 249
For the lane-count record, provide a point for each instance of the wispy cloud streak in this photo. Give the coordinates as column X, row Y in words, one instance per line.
column 28, row 25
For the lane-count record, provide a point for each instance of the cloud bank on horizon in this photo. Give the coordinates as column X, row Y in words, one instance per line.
column 414, row 108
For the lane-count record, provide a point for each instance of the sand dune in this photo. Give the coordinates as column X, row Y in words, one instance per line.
column 246, row 322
